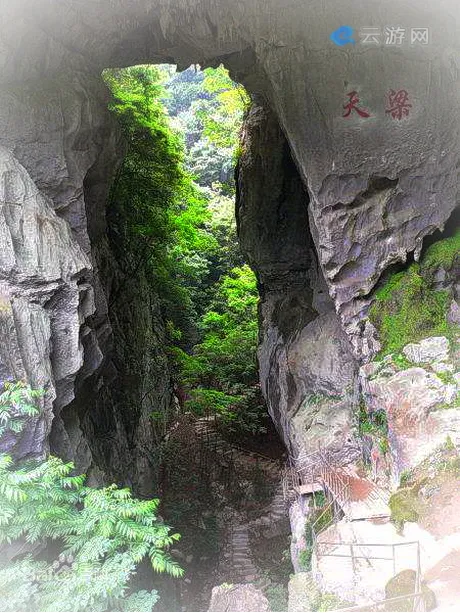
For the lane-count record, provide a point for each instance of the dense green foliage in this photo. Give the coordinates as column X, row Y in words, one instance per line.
column 76, row 548
column 157, row 214
column 180, row 235
column 406, row 309
column 230, row 103
column 208, row 108
column 442, row 253
column 16, row 404
column 221, row 376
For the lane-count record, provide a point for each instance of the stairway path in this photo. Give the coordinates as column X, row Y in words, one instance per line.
column 205, row 430
column 237, row 564
column 274, row 517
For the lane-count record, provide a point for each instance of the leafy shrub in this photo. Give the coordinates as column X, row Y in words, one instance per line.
column 16, row 405
column 277, row 596
column 105, row 534
column 101, row 535
column 405, row 506
column 305, row 558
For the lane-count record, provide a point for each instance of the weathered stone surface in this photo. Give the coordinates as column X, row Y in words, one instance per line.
column 239, row 597
column 421, row 407
column 307, row 369
column 454, row 313
column 45, row 297
column 405, row 582
column 428, row 350
column 104, row 342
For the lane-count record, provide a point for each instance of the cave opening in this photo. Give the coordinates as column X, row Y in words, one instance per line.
column 182, row 304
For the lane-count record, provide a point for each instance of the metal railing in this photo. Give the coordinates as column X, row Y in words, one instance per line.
column 316, row 467
column 354, row 551
column 417, row 604
column 338, row 493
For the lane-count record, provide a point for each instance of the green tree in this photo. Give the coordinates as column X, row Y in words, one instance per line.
column 157, row 216
column 208, row 108
column 231, row 103
column 100, row 535
column 221, row 375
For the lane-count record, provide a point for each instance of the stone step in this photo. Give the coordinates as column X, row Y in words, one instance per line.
column 240, row 556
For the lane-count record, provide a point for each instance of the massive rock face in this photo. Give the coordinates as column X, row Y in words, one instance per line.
column 377, row 185
column 44, row 293
column 307, row 368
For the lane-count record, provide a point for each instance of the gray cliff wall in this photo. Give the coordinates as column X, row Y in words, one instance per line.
column 376, row 187
column 307, row 368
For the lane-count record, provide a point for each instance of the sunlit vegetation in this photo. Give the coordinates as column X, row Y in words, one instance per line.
column 208, row 109
column 157, row 214
column 406, row 309
column 221, row 374
column 443, row 253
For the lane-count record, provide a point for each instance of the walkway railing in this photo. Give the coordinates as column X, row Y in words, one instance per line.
column 356, row 551
column 381, row 605
column 311, row 470
column 316, row 468
column 338, row 493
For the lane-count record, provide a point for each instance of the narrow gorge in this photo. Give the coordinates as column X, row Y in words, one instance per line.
column 137, row 254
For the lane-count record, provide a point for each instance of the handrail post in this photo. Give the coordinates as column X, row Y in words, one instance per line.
column 418, row 603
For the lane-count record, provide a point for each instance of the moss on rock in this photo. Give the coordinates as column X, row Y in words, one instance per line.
column 443, row 253
column 406, row 310
column 405, row 506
